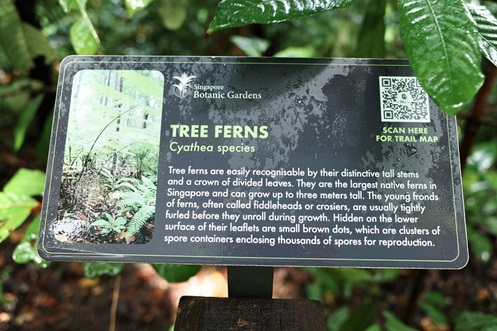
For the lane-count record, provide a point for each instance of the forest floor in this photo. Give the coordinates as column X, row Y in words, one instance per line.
column 61, row 298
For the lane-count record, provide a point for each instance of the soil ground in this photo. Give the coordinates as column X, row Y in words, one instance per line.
column 61, row 298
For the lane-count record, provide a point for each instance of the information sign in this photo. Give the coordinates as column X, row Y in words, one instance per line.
column 251, row 161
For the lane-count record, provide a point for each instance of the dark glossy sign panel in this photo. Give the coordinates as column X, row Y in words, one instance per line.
column 251, row 161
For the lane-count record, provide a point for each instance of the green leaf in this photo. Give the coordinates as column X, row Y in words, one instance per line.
column 483, row 156
column 25, row 120
column 385, row 275
column 475, row 321
column 64, row 5
column 371, row 40
column 392, row 323
column 173, row 13
column 251, row 46
column 480, row 245
column 100, row 223
column 350, row 275
column 491, row 224
column 487, row 30
column 233, row 13
column 314, row 291
column 134, row 6
column 441, row 42
column 97, row 269
column 176, row 273
column 83, row 39
column 296, row 52
column 19, row 85
column 14, row 209
column 338, row 317
column 33, row 230
column 374, row 327
column 26, row 182
column 436, row 298
column 361, row 319
column 327, row 280
column 120, row 221
column 24, row 253
column 432, row 305
column 42, row 147
column 38, row 44
column 69, row 5
column 491, row 177
column 20, row 41
column 12, row 37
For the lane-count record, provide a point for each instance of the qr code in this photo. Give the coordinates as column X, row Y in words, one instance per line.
column 403, row 100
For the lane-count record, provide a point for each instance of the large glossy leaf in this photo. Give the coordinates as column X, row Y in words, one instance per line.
column 487, row 30
column 441, row 42
column 21, row 42
column 233, row 13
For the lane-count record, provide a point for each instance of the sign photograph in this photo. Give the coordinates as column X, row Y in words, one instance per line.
column 251, row 161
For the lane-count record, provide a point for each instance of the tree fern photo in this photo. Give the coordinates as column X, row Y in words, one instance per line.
column 109, row 174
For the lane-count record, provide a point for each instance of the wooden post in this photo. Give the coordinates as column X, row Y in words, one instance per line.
column 249, row 307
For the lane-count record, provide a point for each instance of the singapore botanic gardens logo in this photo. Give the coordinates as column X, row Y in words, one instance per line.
column 184, row 87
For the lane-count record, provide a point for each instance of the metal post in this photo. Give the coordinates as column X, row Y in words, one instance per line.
column 250, row 282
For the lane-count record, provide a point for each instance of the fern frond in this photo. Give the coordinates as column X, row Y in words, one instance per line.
column 141, row 217
column 127, row 195
column 148, row 183
column 131, row 200
column 149, row 189
column 126, row 185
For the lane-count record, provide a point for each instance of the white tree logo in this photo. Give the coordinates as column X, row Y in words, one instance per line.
column 184, row 87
